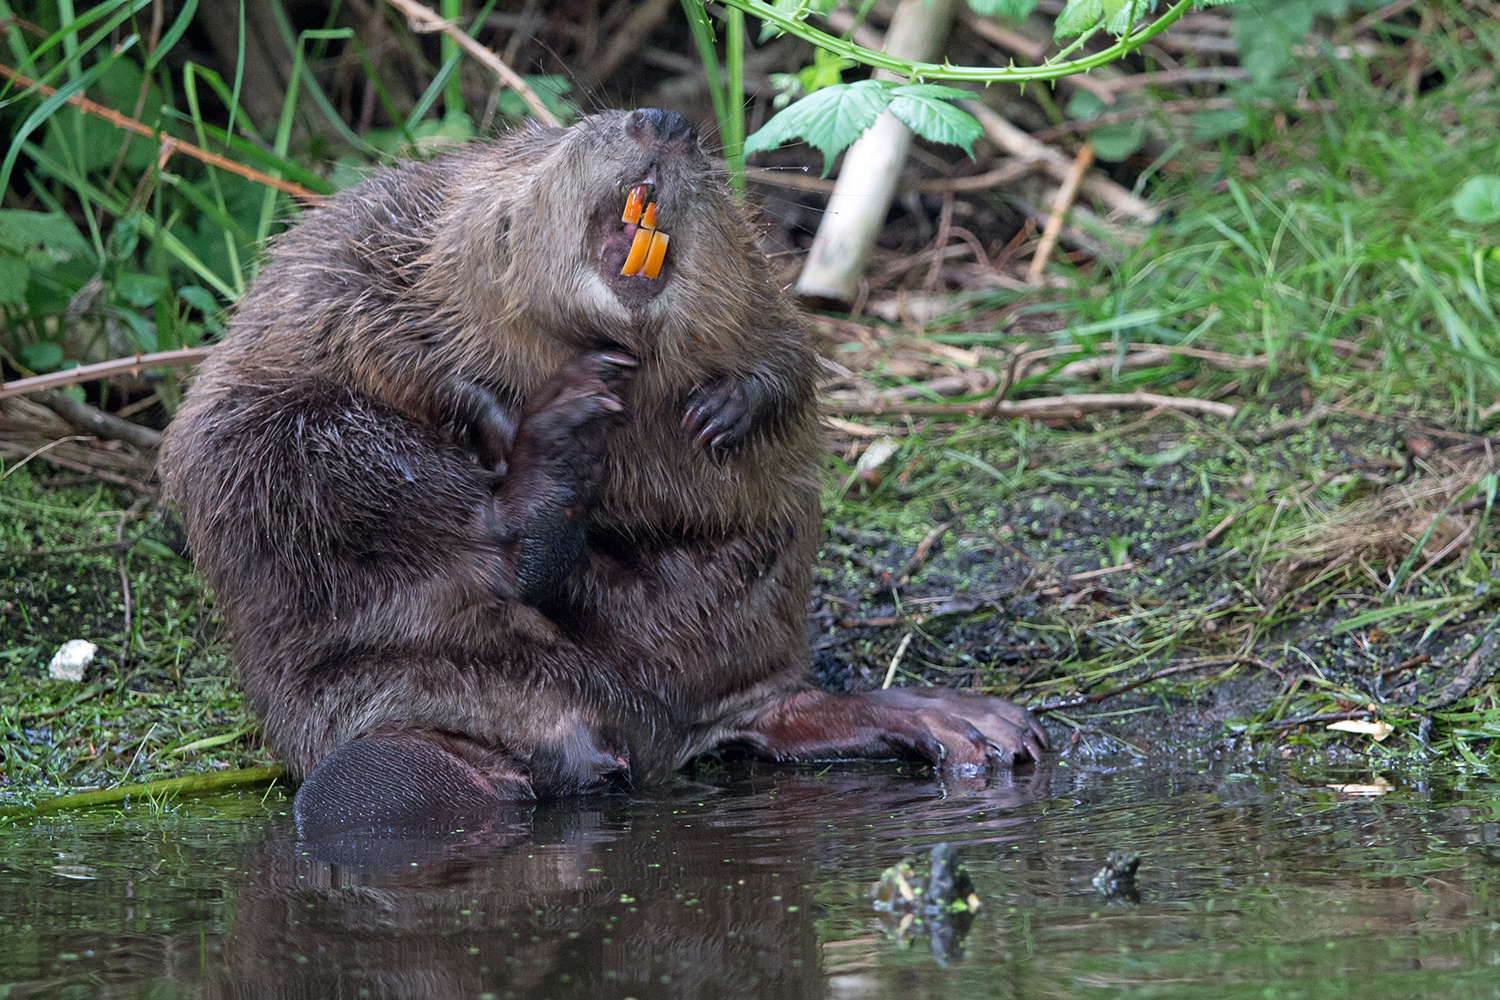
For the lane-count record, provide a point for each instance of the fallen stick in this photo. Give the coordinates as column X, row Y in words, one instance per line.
column 105, row 369
column 627, row 38
column 193, row 784
column 1046, row 406
column 1017, row 143
column 1060, row 205
column 91, row 420
column 425, row 20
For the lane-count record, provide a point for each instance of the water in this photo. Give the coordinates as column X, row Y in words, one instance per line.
column 1253, row 882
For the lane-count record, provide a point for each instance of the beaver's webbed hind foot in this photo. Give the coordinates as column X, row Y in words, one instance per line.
column 403, row 783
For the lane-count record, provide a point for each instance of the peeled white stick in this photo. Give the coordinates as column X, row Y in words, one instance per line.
column 862, row 196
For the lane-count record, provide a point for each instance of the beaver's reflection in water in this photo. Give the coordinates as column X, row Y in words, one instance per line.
column 700, row 893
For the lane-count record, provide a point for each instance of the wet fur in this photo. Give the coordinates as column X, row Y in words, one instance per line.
column 334, row 500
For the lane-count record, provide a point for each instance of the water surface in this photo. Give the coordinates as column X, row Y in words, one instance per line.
column 1255, row 881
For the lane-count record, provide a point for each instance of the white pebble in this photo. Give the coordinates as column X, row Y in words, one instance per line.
column 72, row 660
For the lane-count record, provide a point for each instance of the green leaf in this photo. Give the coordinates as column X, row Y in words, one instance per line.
column 1123, row 15
column 829, row 120
column 1213, row 124
column 924, row 108
column 826, row 71
column 1264, row 33
column 13, row 278
column 1478, row 200
column 52, row 232
column 140, row 289
column 1016, row 10
column 43, row 356
column 199, row 298
column 1113, row 143
column 1077, row 17
column 141, row 329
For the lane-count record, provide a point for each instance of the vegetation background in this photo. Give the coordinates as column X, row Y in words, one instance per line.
column 1290, row 233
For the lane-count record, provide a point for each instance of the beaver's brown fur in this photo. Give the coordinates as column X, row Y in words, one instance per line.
column 488, row 520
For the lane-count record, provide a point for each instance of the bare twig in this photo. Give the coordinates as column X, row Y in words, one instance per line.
column 924, row 549
column 945, row 230
column 425, row 20
column 890, row 674
column 1060, row 206
column 626, row 39
column 132, row 365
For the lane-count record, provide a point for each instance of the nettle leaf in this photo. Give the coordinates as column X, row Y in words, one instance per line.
column 1016, row 10
column 1478, row 200
column 1077, row 17
column 828, row 120
column 924, row 108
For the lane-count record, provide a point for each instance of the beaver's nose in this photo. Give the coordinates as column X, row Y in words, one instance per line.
column 651, row 126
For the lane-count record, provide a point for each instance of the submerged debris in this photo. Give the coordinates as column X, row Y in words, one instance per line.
column 1116, row 880
column 943, row 908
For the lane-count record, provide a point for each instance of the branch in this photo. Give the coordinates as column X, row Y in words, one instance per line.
column 181, row 357
column 942, row 71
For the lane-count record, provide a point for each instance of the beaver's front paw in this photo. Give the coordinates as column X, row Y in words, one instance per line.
column 962, row 734
column 721, row 414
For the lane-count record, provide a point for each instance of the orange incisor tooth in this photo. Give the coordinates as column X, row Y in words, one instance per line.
column 657, row 252
column 649, row 219
column 634, row 202
column 637, row 255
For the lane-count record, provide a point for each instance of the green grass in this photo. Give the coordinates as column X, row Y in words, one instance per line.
column 1329, row 244
column 160, row 698
column 1344, row 233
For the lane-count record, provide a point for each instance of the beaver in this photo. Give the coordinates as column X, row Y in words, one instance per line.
column 490, row 520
